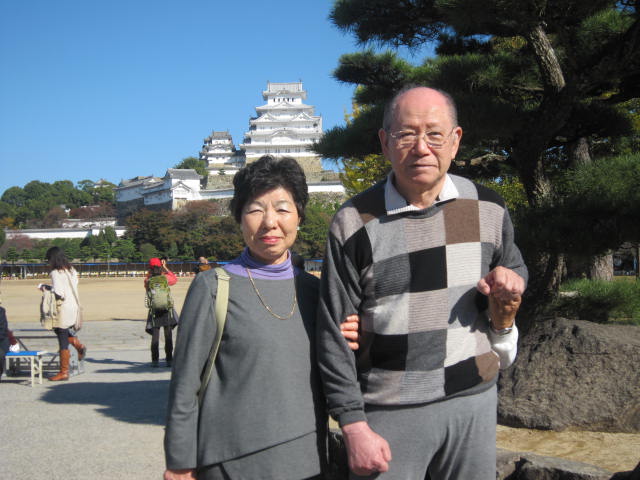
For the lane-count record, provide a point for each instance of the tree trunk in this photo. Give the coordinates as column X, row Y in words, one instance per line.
column 548, row 63
column 578, row 152
column 546, row 271
column 601, row 267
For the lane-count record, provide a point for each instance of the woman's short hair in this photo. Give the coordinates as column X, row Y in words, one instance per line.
column 268, row 173
column 57, row 259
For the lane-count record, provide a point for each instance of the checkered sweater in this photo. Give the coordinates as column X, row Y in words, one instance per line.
column 412, row 278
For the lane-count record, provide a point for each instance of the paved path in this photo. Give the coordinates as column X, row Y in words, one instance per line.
column 105, row 423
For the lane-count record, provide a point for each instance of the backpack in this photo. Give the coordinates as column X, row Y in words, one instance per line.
column 159, row 294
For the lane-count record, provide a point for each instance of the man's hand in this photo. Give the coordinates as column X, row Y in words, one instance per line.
column 501, row 282
column 504, row 288
column 187, row 474
column 349, row 330
column 367, row 451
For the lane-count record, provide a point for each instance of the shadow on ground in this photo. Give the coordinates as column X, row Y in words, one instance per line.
column 139, row 402
column 130, row 366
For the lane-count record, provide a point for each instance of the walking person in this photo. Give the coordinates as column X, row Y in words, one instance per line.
column 161, row 313
column 262, row 415
column 64, row 284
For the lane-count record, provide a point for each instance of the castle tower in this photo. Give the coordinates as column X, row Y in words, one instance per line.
column 220, row 153
column 284, row 127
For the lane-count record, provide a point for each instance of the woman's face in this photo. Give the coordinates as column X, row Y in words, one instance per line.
column 269, row 225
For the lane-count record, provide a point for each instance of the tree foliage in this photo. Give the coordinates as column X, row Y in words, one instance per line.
column 41, row 205
column 540, row 88
column 197, row 164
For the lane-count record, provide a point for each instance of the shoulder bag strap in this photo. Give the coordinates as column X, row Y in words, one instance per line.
column 222, row 302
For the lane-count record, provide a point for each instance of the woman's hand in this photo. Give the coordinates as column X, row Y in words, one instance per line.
column 349, row 330
column 187, row 474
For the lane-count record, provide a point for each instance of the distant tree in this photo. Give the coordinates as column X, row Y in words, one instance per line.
column 110, row 235
column 53, row 218
column 173, row 250
column 12, row 254
column 15, row 196
column 124, row 249
column 3, row 236
column 197, row 164
column 312, row 236
column 227, row 241
column 90, row 212
column 26, row 255
column 101, row 191
column 85, row 253
column 361, row 173
column 187, row 252
column 148, row 251
column 147, row 226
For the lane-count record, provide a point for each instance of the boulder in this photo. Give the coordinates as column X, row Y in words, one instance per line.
column 574, row 374
column 529, row 466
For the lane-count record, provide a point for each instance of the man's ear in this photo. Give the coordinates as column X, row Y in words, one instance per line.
column 384, row 138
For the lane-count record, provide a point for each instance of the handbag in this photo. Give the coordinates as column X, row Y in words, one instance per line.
column 49, row 309
column 79, row 316
column 222, row 302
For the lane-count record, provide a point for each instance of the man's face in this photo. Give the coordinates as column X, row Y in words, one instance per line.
column 420, row 168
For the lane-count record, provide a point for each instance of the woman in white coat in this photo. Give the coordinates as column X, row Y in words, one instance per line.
column 64, row 279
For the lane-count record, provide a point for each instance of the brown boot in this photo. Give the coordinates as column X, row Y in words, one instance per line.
column 63, row 374
column 82, row 350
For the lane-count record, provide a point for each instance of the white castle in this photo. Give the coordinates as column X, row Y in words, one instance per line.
column 284, row 126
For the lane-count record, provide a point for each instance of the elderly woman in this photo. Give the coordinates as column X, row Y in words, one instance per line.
column 262, row 415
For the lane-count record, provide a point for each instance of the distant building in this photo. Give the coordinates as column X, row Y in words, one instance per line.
column 73, row 229
column 221, row 154
column 285, row 126
column 170, row 192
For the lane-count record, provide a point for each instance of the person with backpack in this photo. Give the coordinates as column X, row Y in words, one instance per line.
column 161, row 313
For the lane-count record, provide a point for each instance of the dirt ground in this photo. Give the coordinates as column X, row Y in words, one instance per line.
column 123, row 298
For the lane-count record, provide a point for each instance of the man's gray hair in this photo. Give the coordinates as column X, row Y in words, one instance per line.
column 390, row 107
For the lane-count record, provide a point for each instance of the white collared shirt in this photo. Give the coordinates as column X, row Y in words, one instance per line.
column 395, row 203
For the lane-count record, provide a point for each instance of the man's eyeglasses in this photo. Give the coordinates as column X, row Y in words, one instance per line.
column 405, row 138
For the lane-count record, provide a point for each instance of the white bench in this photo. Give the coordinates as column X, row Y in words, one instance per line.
column 34, row 357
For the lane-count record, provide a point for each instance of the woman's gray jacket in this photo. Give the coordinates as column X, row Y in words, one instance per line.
column 264, row 390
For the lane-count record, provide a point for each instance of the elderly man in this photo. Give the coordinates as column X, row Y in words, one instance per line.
column 417, row 256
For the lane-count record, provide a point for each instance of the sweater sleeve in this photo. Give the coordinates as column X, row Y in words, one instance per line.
column 171, row 278
column 339, row 297
column 509, row 255
column 195, row 336
column 59, row 284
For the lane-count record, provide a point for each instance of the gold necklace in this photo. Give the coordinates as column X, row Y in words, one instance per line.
column 265, row 305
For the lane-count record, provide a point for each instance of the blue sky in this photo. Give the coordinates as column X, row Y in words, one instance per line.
column 119, row 88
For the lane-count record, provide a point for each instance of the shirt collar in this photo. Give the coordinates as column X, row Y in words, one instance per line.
column 395, row 203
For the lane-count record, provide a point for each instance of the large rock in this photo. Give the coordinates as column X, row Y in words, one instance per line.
column 529, row 466
column 574, row 374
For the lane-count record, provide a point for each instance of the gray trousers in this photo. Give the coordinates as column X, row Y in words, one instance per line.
column 449, row 440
